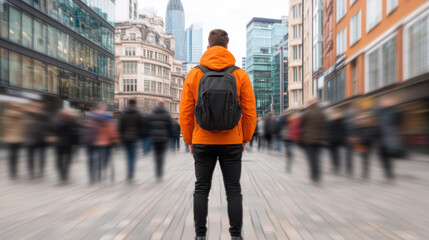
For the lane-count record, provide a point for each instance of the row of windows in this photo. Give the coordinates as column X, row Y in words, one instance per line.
column 335, row 87
column 341, row 41
column 297, row 74
column 296, row 11
column 71, row 14
column 382, row 65
column 130, row 67
column 130, row 51
column 32, row 33
column 156, row 87
column 297, row 31
column 21, row 71
column 155, row 55
column 104, row 8
column 296, row 52
column 154, row 70
column 130, row 85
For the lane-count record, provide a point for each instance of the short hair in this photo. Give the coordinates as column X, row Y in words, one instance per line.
column 132, row 102
column 218, row 37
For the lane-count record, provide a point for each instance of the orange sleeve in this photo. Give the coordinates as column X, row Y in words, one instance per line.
column 248, row 111
column 187, row 106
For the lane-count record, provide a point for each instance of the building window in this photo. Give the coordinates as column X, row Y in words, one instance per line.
column 381, row 66
column 130, row 67
column 341, row 42
column 159, row 69
column 166, row 73
column 354, row 77
column 295, row 52
column 130, row 85
column 153, row 70
column 14, row 25
column 296, row 10
column 418, row 45
column 355, row 28
column 146, row 85
column 132, row 36
column 295, row 74
column 391, row 5
column 153, row 86
column 130, row 51
column 373, row 14
column 147, row 69
column 144, row 52
column 295, row 98
column 335, row 87
column 342, row 8
column 159, row 87
column 27, row 31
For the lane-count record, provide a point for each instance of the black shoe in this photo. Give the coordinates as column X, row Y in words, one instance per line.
column 237, row 238
column 200, row 238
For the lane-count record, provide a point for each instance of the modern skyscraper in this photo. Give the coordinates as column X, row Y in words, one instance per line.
column 295, row 54
column 262, row 36
column 61, row 52
column 243, row 63
column 175, row 24
column 194, row 43
column 280, row 76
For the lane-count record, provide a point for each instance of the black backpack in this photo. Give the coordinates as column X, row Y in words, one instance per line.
column 217, row 107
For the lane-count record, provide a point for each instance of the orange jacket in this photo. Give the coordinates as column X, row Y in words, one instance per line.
column 217, row 58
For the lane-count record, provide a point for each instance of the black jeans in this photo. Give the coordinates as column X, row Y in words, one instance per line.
column 289, row 155
column 40, row 147
column 159, row 149
column 335, row 157
column 230, row 163
column 64, row 157
column 314, row 161
column 13, row 159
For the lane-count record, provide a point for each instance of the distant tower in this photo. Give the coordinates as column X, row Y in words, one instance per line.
column 194, row 43
column 175, row 24
column 129, row 6
column 243, row 63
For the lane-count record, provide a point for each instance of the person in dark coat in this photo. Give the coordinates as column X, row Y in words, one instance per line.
column 336, row 138
column 67, row 130
column 161, row 132
column 130, row 124
column 38, row 129
column 270, row 130
column 313, row 126
column 175, row 140
column 145, row 134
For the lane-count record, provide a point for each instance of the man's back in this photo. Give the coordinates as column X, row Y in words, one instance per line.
column 217, row 58
column 130, row 124
column 161, row 125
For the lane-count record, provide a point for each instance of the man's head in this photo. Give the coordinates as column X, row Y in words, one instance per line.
column 161, row 103
column 218, row 37
column 132, row 102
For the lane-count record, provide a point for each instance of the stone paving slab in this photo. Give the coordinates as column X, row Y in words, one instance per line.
column 277, row 204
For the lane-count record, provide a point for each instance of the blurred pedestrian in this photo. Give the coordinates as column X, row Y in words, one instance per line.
column 67, row 131
column 313, row 126
column 270, row 130
column 336, row 138
column 390, row 145
column 161, row 133
column 350, row 133
column 88, row 138
column 175, row 139
column 261, row 133
column 224, row 124
column 284, row 135
column 38, row 131
column 107, row 135
column 130, row 125
column 13, row 134
column 145, row 134
column 255, row 136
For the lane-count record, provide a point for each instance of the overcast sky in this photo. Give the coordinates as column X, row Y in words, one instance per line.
column 230, row 15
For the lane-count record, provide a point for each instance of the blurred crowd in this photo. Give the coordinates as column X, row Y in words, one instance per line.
column 28, row 127
column 357, row 129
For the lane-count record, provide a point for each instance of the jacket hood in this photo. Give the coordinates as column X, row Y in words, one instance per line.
column 217, row 58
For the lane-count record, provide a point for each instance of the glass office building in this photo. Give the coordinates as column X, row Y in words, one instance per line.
column 59, row 51
column 280, row 57
column 194, row 43
column 262, row 36
column 175, row 24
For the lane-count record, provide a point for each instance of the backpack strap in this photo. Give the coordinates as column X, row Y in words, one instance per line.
column 230, row 69
column 204, row 68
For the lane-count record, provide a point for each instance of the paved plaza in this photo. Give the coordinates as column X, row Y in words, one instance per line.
column 277, row 204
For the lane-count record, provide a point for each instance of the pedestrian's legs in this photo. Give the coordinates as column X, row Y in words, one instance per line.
column 13, row 159
column 42, row 160
column 313, row 158
column 159, row 158
column 131, row 157
column 30, row 162
column 60, row 162
column 99, row 162
column 349, row 159
column 230, row 164
column 386, row 162
column 178, row 143
column 205, row 162
column 333, row 149
column 91, row 164
column 288, row 155
column 365, row 164
column 67, row 162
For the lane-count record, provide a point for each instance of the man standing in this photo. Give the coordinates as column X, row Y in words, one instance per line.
column 222, row 98
column 313, row 125
column 130, row 125
column 161, row 133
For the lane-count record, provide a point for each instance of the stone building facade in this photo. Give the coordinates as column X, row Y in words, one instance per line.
column 145, row 66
